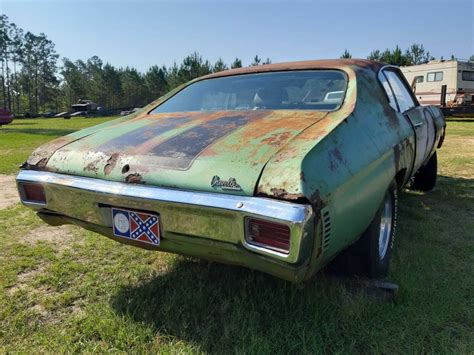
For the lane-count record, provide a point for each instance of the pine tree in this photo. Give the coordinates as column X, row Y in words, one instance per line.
column 346, row 54
column 237, row 63
column 256, row 61
column 219, row 66
column 416, row 54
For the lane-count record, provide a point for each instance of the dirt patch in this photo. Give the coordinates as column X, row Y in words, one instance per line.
column 24, row 279
column 38, row 294
column 8, row 191
column 39, row 309
column 60, row 237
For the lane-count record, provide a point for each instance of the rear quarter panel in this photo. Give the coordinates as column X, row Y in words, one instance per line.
column 344, row 164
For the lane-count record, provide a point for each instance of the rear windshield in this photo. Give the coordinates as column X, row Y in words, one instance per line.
column 322, row 90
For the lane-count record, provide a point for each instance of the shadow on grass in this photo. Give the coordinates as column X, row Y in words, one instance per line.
column 449, row 204
column 220, row 308
column 40, row 131
column 460, row 184
column 19, row 123
column 223, row 308
column 459, row 119
column 456, row 191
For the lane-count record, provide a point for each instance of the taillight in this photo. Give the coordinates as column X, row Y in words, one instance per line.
column 271, row 235
column 34, row 193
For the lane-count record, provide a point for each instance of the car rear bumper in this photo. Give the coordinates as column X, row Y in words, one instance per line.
column 201, row 224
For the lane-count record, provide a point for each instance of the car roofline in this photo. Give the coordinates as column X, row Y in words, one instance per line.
column 346, row 65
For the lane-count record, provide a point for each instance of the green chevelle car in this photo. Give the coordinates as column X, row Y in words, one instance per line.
column 278, row 168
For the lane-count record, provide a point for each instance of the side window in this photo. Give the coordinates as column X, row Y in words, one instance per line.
column 419, row 79
column 468, row 75
column 435, row 76
column 388, row 91
column 403, row 96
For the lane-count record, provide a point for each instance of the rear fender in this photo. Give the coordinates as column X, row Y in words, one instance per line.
column 440, row 126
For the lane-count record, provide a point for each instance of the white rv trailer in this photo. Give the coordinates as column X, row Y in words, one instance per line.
column 428, row 79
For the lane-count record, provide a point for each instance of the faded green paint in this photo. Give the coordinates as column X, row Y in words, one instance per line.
column 256, row 142
column 340, row 162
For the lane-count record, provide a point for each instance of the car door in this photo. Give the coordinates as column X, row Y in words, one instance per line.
column 406, row 104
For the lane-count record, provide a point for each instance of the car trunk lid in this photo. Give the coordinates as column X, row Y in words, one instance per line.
column 218, row 151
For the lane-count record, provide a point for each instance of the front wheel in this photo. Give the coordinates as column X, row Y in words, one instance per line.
column 425, row 177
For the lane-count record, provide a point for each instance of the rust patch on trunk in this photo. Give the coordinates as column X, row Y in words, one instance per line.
column 40, row 157
column 285, row 195
column 134, row 179
column 277, row 138
column 91, row 167
column 111, row 163
column 42, row 163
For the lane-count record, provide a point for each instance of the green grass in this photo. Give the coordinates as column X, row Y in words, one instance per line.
column 87, row 293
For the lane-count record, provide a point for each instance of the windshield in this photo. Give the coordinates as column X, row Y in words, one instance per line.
column 322, row 90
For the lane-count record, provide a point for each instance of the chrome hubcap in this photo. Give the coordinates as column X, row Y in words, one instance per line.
column 385, row 225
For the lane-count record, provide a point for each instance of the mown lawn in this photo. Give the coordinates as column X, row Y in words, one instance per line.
column 78, row 291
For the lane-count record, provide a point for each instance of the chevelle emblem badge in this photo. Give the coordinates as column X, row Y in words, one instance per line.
column 230, row 184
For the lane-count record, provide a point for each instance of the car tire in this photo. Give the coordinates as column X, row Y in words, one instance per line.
column 425, row 177
column 377, row 240
column 370, row 255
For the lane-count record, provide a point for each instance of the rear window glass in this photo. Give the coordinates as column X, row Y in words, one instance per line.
column 322, row 90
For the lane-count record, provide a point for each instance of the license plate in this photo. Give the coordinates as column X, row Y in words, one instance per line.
column 140, row 226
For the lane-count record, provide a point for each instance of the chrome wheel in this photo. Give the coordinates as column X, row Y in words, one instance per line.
column 385, row 225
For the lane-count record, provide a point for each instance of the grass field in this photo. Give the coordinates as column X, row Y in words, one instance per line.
column 65, row 289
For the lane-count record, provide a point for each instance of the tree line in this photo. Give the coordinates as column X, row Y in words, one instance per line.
column 413, row 55
column 33, row 81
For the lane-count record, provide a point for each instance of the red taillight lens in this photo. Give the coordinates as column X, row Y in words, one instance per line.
column 271, row 235
column 33, row 193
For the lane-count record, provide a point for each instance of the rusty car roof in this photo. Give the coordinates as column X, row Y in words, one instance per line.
column 342, row 64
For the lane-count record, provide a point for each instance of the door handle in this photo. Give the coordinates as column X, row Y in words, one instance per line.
column 418, row 124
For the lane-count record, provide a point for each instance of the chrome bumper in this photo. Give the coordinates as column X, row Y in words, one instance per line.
column 187, row 218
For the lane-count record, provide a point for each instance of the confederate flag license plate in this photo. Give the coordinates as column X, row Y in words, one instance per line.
column 140, row 226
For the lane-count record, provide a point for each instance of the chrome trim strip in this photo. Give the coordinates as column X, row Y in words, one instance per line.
column 286, row 211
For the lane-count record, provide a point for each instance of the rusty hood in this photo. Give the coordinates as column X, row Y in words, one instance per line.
column 219, row 151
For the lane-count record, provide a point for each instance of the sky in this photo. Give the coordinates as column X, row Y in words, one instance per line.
column 145, row 33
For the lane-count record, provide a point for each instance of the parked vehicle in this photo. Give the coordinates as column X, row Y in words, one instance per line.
column 49, row 114
column 61, row 114
column 128, row 112
column 77, row 114
column 84, row 106
column 268, row 167
column 457, row 78
column 6, row 116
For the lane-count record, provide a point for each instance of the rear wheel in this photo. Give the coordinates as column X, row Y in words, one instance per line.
column 378, row 239
column 370, row 255
column 425, row 177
